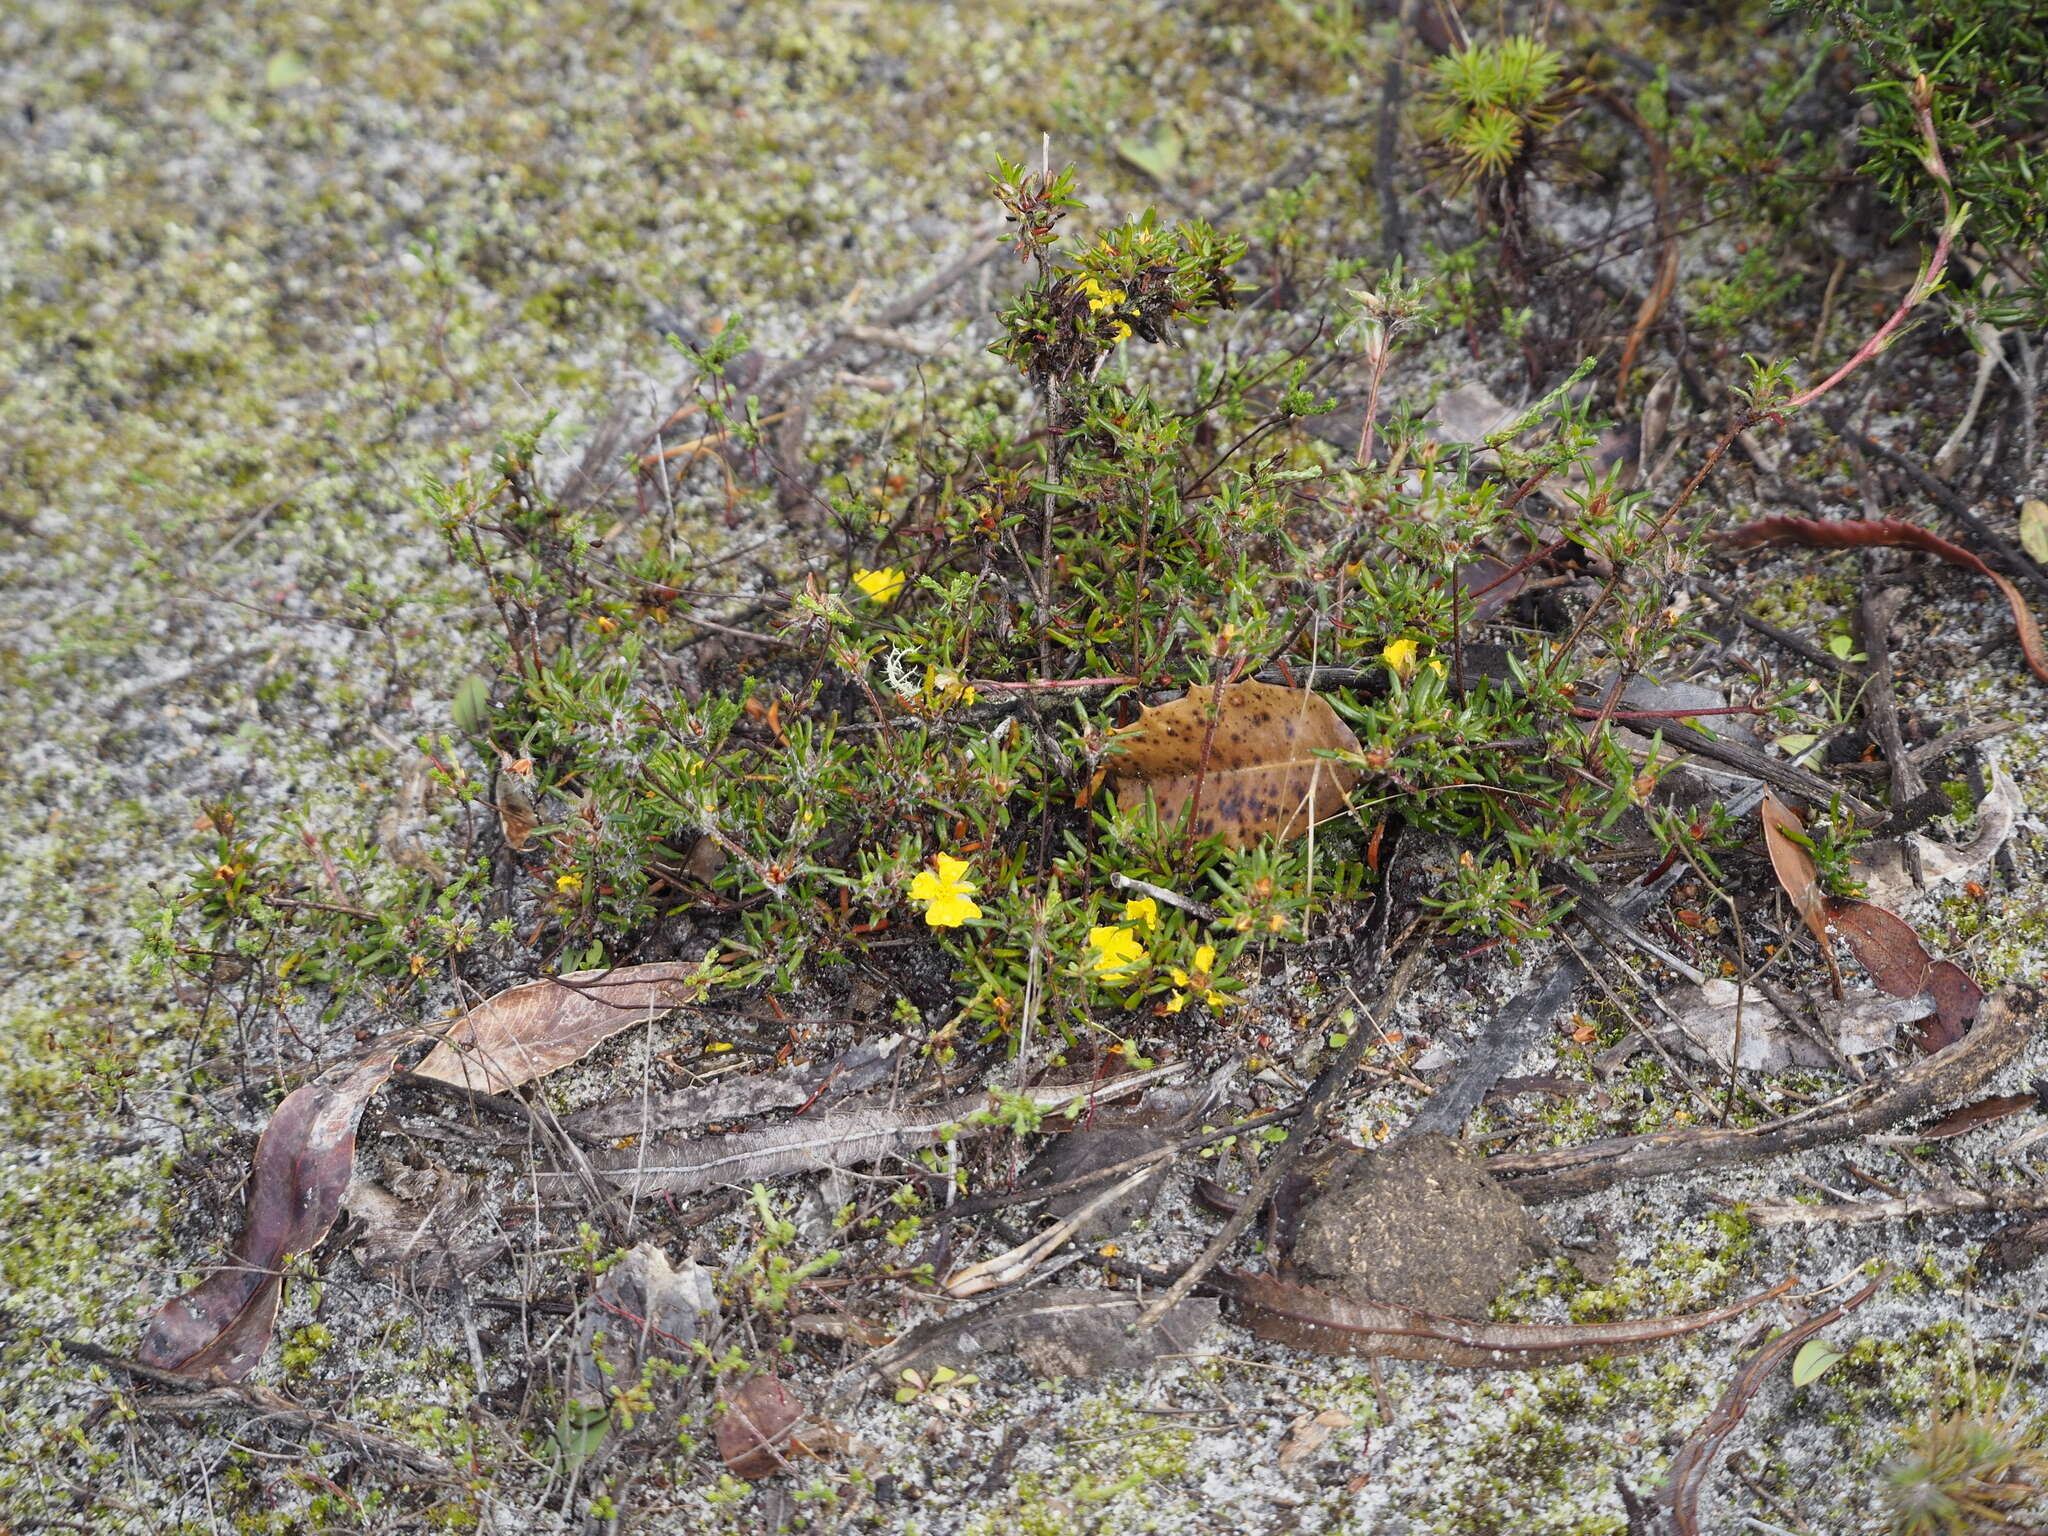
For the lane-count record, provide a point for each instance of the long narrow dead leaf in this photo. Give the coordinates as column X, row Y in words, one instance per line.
column 1337, row 1325
column 1792, row 862
column 1689, row 1468
column 1262, row 773
column 678, row 1165
column 1966, row 1118
column 1893, row 533
column 539, row 1028
column 1926, row 1086
column 297, row 1180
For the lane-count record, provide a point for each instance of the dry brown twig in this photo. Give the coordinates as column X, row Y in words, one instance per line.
column 407, row 1462
column 1998, row 1036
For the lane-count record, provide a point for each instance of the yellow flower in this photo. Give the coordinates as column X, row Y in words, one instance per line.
column 945, row 690
column 882, row 585
column 1101, row 298
column 1197, row 985
column 1123, row 332
column 946, row 893
column 569, row 884
column 1117, row 950
column 1399, row 656
column 1144, row 910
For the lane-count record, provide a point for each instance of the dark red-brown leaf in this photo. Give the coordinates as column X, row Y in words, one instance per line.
column 1892, row 953
column 1893, row 533
column 297, row 1180
column 1967, row 1117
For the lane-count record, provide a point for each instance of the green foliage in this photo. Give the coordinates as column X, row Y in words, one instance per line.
column 960, row 693
column 1489, row 105
column 1987, row 61
column 1967, row 1471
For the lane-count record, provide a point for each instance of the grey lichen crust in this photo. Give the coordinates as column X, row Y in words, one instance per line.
column 264, row 269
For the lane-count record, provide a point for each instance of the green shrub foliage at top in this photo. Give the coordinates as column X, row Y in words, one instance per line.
column 956, row 691
column 1988, row 63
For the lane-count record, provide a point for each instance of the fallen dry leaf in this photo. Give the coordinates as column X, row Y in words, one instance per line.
column 1884, row 942
column 1262, row 773
column 1893, row 533
column 530, row 1031
column 305, row 1158
column 297, row 1179
column 1967, row 1117
column 1892, row 953
column 754, row 1431
column 1784, row 836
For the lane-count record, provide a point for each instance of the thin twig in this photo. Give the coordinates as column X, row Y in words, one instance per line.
column 406, row 1462
column 1327, row 1086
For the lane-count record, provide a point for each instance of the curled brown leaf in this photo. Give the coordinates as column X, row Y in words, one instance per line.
column 754, row 1433
column 301, row 1171
column 1894, row 533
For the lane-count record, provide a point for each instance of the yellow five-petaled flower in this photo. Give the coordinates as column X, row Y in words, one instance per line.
column 1144, row 912
column 1116, row 950
column 945, row 893
column 1399, row 655
column 1197, row 985
column 882, row 585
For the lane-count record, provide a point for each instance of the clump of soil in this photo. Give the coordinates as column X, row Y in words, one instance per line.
column 1420, row 1224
